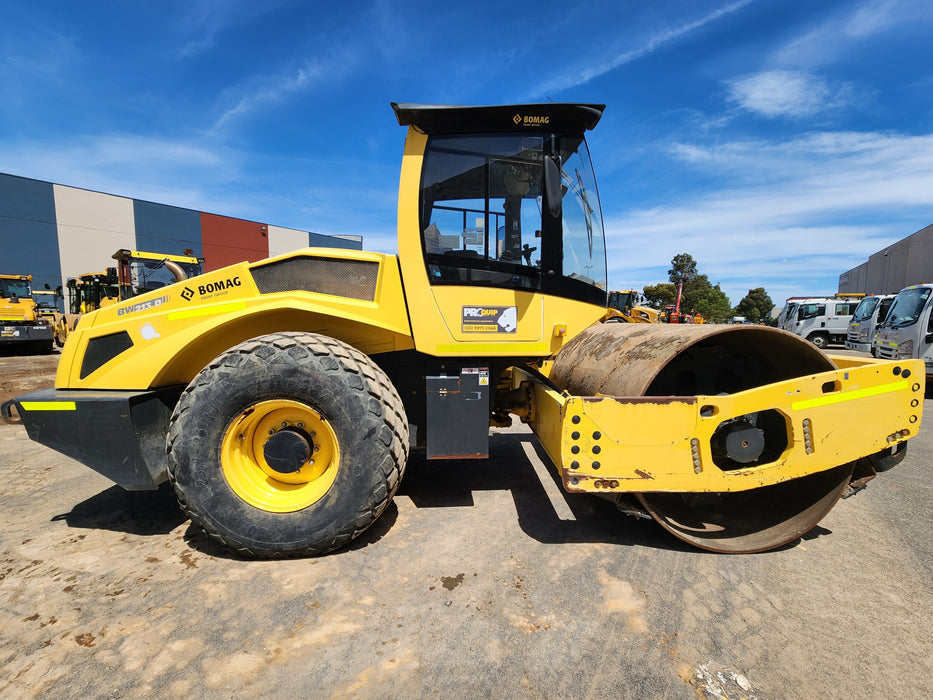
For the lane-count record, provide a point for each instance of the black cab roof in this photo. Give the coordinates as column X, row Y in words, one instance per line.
column 452, row 119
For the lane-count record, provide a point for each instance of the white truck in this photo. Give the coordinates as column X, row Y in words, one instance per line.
column 869, row 314
column 907, row 333
column 788, row 311
column 824, row 320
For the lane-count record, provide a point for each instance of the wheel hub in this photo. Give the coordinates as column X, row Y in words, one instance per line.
column 288, row 450
column 739, row 441
column 280, row 455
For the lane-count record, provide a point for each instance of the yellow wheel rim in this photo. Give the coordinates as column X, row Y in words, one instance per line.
column 249, row 474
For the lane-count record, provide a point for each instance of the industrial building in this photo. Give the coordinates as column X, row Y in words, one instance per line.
column 54, row 232
column 907, row 262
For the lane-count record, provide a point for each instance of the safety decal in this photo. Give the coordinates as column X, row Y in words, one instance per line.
column 489, row 319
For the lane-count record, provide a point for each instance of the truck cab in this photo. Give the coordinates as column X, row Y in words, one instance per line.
column 823, row 320
column 787, row 312
column 869, row 314
column 790, row 316
column 907, row 333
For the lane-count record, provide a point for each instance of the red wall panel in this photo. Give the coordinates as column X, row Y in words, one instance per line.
column 226, row 241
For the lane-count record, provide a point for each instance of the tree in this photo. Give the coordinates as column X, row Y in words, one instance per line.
column 659, row 295
column 755, row 306
column 714, row 304
column 699, row 294
column 683, row 269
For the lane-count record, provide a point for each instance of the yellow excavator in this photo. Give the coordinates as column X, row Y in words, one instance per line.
column 281, row 398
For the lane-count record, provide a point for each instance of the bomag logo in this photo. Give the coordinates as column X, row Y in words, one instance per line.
column 529, row 120
column 218, row 286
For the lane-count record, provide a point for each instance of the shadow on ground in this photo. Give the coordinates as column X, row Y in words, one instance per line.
column 547, row 515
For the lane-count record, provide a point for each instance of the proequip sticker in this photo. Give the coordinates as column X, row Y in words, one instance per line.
column 489, row 319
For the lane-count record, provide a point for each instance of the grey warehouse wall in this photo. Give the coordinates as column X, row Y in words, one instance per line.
column 907, row 262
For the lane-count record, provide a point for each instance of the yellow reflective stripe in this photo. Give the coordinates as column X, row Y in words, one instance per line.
column 207, row 310
column 849, row 395
column 48, row 405
column 466, row 347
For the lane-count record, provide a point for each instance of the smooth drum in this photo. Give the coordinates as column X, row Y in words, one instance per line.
column 620, row 359
column 628, row 359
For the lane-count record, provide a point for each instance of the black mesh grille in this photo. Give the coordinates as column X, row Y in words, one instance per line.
column 102, row 350
column 354, row 279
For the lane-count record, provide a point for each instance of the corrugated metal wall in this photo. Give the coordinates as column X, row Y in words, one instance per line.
column 28, row 231
column 907, row 262
column 89, row 224
column 159, row 226
column 54, row 232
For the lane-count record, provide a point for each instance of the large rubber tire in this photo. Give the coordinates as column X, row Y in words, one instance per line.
column 342, row 404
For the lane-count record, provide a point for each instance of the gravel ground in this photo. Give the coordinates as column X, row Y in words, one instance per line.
column 482, row 579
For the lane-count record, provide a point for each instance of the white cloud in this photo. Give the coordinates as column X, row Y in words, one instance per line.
column 812, row 208
column 595, row 68
column 262, row 92
column 845, row 31
column 175, row 172
column 781, row 93
column 202, row 23
column 876, row 16
column 200, row 175
column 272, row 90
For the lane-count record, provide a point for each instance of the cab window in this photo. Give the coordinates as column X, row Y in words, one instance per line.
column 846, row 309
column 485, row 222
column 865, row 309
column 907, row 307
column 810, row 311
column 481, row 210
column 883, row 310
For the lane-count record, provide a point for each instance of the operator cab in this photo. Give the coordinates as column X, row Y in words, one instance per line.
column 507, row 208
column 14, row 287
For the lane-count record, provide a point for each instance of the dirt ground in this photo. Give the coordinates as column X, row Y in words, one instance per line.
column 19, row 374
column 482, row 579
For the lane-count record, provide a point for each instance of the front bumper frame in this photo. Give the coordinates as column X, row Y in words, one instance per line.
column 118, row 434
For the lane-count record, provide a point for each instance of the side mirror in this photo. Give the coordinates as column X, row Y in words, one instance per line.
column 929, row 338
column 552, row 186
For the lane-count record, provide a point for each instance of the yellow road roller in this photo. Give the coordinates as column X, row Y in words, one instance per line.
column 281, row 398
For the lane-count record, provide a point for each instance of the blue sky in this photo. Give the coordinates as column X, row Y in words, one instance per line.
column 779, row 142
